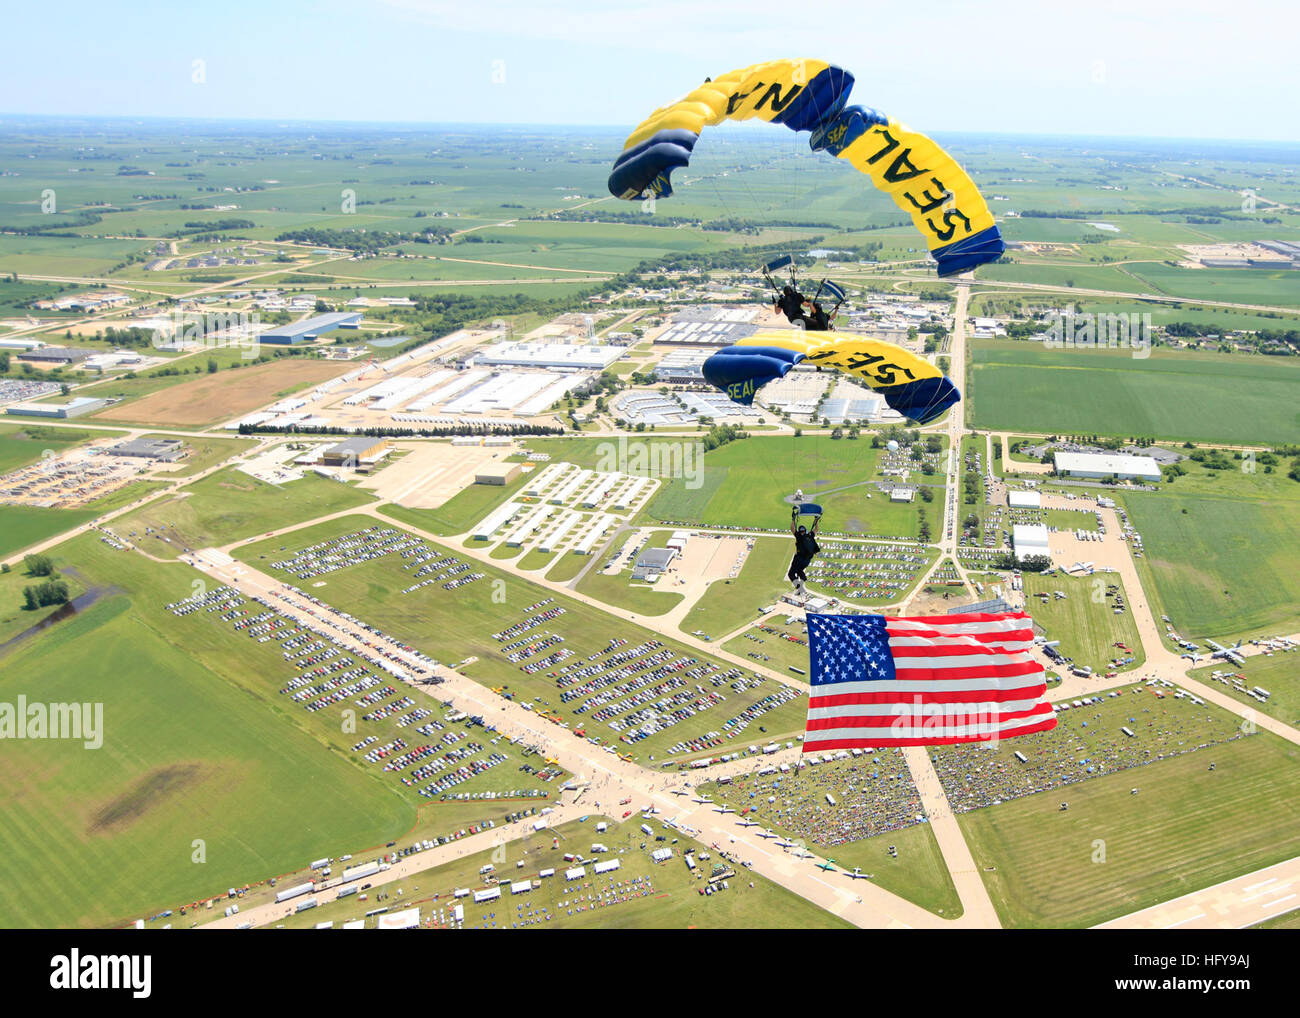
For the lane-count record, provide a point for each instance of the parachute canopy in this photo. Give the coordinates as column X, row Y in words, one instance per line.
column 809, row 509
column 911, row 385
column 811, row 95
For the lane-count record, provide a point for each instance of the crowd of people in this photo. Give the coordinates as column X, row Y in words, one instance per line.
column 873, row 793
column 1087, row 742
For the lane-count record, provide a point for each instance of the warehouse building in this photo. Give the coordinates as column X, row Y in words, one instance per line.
column 588, row 356
column 1101, row 465
column 163, row 450
column 1030, row 540
column 310, row 329
column 54, row 355
column 357, row 453
column 653, row 563
column 73, row 408
column 1024, row 499
column 499, row 474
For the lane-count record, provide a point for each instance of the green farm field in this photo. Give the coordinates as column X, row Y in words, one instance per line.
column 1020, row 386
column 1220, row 566
column 1185, row 830
column 187, row 754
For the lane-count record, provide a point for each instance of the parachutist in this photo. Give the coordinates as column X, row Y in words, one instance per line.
column 790, row 303
column 805, row 544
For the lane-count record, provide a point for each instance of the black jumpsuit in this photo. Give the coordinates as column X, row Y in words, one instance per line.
column 791, row 305
column 805, row 548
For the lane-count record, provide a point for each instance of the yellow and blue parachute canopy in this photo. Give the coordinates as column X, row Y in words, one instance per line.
column 911, row 385
column 812, row 95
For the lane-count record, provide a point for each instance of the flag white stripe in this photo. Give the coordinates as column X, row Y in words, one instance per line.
column 906, row 687
column 882, row 736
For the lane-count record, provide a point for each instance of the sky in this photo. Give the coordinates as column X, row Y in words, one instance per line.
column 1155, row 68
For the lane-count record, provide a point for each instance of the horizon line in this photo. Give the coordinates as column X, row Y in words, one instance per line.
column 425, row 124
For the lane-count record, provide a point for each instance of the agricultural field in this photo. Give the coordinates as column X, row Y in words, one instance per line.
column 1221, row 566
column 214, row 398
column 1113, row 852
column 1238, row 399
column 249, row 788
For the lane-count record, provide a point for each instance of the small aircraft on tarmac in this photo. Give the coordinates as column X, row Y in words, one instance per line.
column 857, row 874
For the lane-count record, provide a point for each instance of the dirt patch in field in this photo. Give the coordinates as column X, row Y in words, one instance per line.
column 149, row 792
column 211, row 399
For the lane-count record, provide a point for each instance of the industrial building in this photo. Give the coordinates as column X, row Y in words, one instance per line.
column 1102, row 465
column 75, row 407
column 588, row 356
column 497, row 473
column 54, row 355
column 653, row 563
column 1024, row 500
column 1029, row 541
column 715, row 327
column 357, row 453
column 682, row 367
column 163, row 450
column 310, row 329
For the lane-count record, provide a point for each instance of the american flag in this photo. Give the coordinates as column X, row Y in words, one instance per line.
column 882, row 681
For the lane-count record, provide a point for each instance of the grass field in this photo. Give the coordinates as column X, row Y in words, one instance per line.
column 22, row 527
column 1219, row 566
column 15, row 617
column 1084, row 621
column 617, row 592
column 772, row 649
column 1185, row 830
column 671, row 900
column 1279, row 674
column 231, row 505
column 187, row 754
column 567, row 566
column 728, row 604
column 1171, row 394
column 461, row 511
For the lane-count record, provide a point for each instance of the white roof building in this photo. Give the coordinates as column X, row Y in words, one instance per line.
column 1092, row 464
column 1030, row 540
column 1024, row 499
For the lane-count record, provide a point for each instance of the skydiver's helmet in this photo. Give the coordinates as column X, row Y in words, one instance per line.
column 787, row 290
column 803, row 530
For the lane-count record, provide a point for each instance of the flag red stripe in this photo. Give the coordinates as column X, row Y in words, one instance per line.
column 953, row 696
